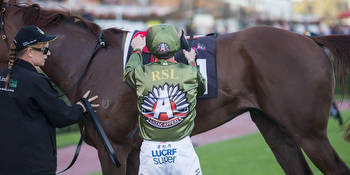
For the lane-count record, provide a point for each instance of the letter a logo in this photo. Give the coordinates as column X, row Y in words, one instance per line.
column 165, row 107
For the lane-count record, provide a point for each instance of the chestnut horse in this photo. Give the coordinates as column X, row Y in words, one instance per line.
column 283, row 79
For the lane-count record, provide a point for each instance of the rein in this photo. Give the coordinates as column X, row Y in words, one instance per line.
column 77, row 150
column 2, row 28
column 96, row 122
column 100, row 43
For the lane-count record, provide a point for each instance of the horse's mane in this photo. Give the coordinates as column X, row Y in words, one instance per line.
column 34, row 15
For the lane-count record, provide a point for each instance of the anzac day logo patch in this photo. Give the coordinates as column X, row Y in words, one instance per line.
column 165, row 107
column 163, row 48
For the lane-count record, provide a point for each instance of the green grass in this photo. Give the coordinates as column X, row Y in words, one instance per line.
column 251, row 155
column 67, row 139
column 339, row 97
column 97, row 173
column 245, row 155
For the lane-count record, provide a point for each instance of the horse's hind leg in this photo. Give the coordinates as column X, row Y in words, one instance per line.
column 284, row 147
column 318, row 148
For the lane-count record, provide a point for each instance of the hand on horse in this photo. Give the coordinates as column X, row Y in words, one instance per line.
column 190, row 56
column 138, row 43
column 86, row 95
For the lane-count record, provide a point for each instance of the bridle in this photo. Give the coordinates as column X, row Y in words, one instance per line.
column 2, row 27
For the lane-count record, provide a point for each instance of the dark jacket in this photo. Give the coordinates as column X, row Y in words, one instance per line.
column 30, row 110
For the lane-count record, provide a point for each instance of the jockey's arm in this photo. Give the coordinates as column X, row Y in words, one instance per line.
column 135, row 60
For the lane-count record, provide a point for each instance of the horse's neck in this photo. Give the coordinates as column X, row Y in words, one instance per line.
column 71, row 54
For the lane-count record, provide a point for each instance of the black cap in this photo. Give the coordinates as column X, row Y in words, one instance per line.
column 30, row 35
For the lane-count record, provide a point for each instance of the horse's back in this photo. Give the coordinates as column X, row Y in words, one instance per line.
column 272, row 44
column 279, row 67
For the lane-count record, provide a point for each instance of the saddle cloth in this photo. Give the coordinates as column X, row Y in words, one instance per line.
column 205, row 47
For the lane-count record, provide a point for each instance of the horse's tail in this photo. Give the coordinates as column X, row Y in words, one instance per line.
column 339, row 46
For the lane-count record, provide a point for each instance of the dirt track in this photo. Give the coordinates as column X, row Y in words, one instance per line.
column 88, row 162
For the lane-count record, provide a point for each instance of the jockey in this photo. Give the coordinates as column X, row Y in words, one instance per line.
column 166, row 95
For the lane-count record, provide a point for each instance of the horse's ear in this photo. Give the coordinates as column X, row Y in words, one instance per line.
column 12, row 2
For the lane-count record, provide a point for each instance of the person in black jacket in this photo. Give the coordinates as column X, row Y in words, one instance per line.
column 30, row 109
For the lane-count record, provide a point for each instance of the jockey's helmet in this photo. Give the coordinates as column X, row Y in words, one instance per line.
column 163, row 40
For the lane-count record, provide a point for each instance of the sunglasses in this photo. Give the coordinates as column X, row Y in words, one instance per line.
column 43, row 50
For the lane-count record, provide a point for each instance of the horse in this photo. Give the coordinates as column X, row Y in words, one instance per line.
column 283, row 79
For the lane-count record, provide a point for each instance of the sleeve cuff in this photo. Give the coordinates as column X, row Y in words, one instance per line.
column 193, row 63
column 137, row 51
column 80, row 108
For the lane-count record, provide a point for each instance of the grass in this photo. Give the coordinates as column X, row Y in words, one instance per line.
column 251, row 155
column 339, row 97
column 96, row 173
column 245, row 155
column 67, row 139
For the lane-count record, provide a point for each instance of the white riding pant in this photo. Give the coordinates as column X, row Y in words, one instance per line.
column 169, row 158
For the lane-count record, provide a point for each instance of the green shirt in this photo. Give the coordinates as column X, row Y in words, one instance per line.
column 166, row 97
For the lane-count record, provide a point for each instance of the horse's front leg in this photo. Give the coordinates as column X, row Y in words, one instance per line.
column 122, row 151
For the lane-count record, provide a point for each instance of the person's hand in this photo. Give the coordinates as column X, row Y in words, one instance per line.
column 138, row 43
column 190, row 56
column 86, row 95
